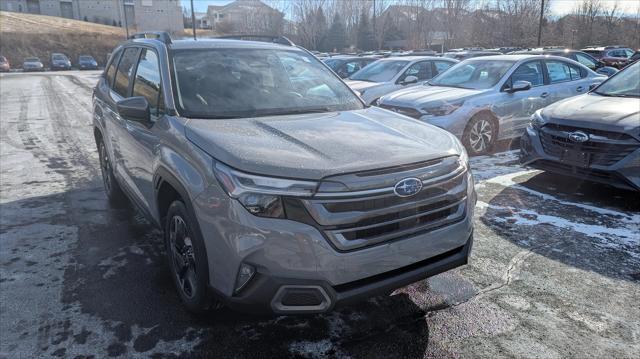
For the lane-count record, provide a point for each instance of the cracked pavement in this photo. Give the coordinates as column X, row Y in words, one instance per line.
column 555, row 268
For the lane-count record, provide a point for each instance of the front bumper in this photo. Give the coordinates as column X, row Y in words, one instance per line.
column 267, row 294
column 624, row 174
column 293, row 255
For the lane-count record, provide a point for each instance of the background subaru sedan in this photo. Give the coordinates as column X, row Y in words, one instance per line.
column 394, row 73
column 593, row 137
column 483, row 100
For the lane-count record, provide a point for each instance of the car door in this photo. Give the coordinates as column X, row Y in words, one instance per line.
column 140, row 141
column 565, row 80
column 105, row 106
column 515, row 109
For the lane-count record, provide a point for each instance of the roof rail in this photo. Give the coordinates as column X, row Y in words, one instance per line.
column 158, row 35
column 264, row 38
column 613, row 47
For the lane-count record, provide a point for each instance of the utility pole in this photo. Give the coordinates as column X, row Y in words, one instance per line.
column 193, row 20
column 375, row 33
column 540, row 23
column 126, row 24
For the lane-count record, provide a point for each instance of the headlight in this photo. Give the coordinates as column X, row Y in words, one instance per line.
column 260, row 195
column 441, row 108
column 463, row 159
column 537, row 121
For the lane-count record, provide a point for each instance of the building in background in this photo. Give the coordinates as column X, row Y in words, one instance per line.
column 247, row 17
column 141, row 15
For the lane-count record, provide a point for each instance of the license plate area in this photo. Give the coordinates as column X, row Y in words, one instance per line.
column 576, row 157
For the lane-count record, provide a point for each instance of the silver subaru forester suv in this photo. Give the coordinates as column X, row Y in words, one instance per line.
column 277, row 188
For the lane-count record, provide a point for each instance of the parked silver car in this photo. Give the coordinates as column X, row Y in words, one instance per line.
column 394, row 73
column 482, row 100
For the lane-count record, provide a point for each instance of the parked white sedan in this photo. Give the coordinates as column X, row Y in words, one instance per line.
column 394, row 73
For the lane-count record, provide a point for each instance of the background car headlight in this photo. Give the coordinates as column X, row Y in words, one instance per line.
column 441, row 108
column 261, row 195
column 537, row 121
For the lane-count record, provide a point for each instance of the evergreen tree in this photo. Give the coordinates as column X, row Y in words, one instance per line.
column 321, row 28
column 366, row 38
column 337, row 35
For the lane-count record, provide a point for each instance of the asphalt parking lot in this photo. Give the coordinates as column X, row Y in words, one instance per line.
column 555, row 269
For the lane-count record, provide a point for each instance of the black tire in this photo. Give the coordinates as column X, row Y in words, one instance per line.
column 480, row 135
column 111, row 186
column 187, row 258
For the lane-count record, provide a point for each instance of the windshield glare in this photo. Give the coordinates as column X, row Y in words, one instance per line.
column 624, row 84
column 478, row 75
column 380, row 71
column 223, row 83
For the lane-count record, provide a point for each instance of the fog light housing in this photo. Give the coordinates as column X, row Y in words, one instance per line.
column 245, row 273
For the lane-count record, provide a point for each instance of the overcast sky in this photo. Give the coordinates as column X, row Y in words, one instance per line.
column 558, row 7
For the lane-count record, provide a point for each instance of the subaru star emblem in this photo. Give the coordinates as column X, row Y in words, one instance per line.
column 407, row 187
column 578, row 136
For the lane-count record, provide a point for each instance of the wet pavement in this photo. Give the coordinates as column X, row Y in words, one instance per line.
column 555, row 269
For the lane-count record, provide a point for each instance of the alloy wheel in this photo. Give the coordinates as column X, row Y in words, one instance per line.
column 105, row 168
column 183, row 257
column 481, row 136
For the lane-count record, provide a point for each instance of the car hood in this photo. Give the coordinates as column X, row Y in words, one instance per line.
column 419, row 95
column 314, row 146
column 362, row 85
column 592, row 110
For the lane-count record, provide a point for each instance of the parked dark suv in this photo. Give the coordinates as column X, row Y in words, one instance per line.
column 59, row 62
column 614, row 56
column 594, row 137
column 277, row 188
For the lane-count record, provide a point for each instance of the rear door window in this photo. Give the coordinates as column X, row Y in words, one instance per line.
column 147, row 81
column 125, row 68
column 560, row 71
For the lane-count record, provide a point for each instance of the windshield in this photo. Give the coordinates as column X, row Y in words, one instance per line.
column 380, row 71
column 86, row 58
column 478, row 75
column 231, row 83
column 59, row 57
column 32, row 59
column 624, row 84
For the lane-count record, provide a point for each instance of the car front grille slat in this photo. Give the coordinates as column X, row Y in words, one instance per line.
column 604, row 148
column 360, row 221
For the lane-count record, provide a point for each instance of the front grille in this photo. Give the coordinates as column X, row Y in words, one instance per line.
column 604, row 148
column 407, row 111
column 359, row 218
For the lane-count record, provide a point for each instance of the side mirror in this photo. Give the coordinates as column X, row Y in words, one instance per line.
column 134, row 109
column 409, row 80
column 519, row 86
column 592, row 86
column 599, row 64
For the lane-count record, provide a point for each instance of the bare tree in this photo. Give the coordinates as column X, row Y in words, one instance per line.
column 586, row 14
column 611, row 17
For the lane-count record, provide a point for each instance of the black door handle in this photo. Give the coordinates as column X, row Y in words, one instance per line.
column 544, row 95
column 580, row 89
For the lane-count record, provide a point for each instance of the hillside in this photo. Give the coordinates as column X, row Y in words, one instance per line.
column 23, row 35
